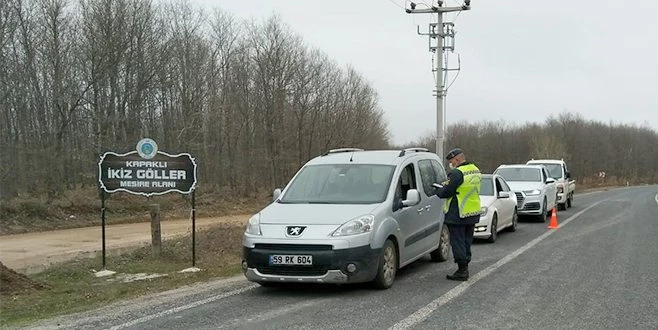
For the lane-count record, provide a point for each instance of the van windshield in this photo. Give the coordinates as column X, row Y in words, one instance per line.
column 519, row 174
column 340, row 184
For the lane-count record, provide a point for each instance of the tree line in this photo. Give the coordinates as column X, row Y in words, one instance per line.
column 626, row 153
column 248, row 99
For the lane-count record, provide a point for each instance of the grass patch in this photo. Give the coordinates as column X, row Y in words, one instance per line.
column 71, row 286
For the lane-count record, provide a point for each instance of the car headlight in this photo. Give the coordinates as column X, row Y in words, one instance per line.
column 532, row 192
column 360, row 225
column 253, row 226
column 560, row 189
column 484, row 210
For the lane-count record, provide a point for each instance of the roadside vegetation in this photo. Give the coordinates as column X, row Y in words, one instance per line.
column 72, row 287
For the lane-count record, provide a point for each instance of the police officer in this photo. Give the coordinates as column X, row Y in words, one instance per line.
column 461, row 208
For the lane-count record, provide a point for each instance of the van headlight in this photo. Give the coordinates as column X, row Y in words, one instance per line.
column 532, row 192
column 253, row 226
column 360, row 225
column 484, row 210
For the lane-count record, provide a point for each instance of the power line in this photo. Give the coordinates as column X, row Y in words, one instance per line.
column 396, row 4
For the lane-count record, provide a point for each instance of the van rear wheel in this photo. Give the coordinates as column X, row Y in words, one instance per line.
column 442, row 252
column 388, row 265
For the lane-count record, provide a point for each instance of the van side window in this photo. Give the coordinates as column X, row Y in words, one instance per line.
column 427, row 176
column 439, row 171
column 406, row 181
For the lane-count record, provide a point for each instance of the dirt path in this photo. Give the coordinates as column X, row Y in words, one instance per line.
column 33, row 252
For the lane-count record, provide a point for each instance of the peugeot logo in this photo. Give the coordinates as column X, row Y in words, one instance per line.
column 295, row 230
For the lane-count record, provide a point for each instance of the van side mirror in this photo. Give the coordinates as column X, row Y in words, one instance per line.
column 550, row 180
column 503, row 194
column 413, row 198
column 276, row 194
column 568, row 175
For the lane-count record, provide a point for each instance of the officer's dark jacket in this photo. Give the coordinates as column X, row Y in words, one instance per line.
column 455, row 179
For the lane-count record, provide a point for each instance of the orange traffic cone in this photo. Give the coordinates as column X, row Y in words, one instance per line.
column 553, row 224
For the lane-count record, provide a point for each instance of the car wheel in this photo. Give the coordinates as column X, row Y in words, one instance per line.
column 515, row 221
column 442, row 253
column 388, row 265
column 569, row 200
column 544, row 212
column 494, row 229
column 562, row 207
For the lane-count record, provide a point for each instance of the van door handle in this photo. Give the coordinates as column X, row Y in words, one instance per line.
column 428, row 207
column 420, row 210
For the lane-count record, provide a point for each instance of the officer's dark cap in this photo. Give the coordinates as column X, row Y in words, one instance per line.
column 453, row 153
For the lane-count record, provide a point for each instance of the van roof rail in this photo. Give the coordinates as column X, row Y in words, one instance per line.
column 403, row 152
column 335, row 151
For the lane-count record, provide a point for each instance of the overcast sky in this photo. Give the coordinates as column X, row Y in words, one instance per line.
column 522, row 61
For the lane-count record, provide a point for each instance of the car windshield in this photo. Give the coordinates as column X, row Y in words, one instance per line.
column 486, row 187
column 520, row 174
column 555, row 170
column 340, row 184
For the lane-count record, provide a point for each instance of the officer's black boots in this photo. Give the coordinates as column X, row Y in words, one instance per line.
column 461, row 274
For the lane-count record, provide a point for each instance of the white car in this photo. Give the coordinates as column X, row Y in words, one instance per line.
column 499, row 208
column 538, row 186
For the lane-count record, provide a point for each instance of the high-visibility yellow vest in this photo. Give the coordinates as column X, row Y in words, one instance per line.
column 468, row 193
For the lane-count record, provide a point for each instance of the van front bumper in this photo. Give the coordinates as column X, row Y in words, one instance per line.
column 329, row 265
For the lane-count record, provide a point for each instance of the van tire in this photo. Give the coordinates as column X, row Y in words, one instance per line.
column 442, row 252
column 387, row 266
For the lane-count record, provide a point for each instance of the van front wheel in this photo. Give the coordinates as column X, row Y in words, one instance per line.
column 388, row 265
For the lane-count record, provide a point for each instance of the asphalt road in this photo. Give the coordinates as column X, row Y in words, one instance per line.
column 597, row 271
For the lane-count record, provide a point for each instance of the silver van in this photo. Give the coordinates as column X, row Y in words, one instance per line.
column 349, row 216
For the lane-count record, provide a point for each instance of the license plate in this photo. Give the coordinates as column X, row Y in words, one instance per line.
column 283, row 259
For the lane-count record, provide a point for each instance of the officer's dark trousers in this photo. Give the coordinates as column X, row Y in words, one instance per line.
column 461, row 237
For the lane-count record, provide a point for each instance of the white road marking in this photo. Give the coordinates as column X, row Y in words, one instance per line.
column 182, row 308
column 423, row 313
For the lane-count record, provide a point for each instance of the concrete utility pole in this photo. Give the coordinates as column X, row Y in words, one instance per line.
column 443, row 36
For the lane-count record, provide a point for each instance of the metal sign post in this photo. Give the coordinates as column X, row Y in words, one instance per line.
column 193, row 232
column 103, row 224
